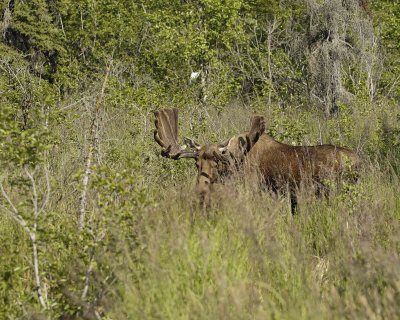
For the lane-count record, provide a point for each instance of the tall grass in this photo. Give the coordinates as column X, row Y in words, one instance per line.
column 161, row 257
column 249, row 259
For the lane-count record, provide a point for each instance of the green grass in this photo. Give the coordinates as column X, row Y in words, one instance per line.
column 250, row 260
column 156, row 255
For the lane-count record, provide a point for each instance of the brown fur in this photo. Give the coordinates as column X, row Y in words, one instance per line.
column 278, row 162
column 281, row 165
column 278, row 165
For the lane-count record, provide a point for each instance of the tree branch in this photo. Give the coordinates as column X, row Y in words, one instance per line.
column 30, row 232
column 92, row 147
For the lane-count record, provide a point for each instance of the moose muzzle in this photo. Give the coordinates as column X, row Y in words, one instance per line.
column 203, row 188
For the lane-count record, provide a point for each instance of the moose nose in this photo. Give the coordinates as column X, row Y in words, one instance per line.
column 203, row 189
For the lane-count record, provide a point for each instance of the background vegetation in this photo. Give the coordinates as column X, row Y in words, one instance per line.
column 95, row 224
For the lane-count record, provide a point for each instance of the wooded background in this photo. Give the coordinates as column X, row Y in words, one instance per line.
column 96, row 225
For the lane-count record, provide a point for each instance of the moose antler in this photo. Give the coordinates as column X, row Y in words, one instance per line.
column 166, row 135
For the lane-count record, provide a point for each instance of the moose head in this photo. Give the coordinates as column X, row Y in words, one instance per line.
column 213, row 161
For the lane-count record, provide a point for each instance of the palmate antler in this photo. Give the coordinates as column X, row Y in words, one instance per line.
column 166, row 135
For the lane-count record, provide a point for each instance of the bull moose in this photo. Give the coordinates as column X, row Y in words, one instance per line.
column 279, row 166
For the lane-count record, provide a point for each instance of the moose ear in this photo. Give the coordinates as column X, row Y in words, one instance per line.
column 191, row 144
column 257, row 129
column 223, row 146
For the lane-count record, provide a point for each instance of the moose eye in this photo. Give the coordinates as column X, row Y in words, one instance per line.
column 242, row 143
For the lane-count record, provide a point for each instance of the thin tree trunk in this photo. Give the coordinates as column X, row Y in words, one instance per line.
column 203, row 83
column 87, row 276
column 335, row 87
column 32, row 235
column 269, row 40
column 92, row 147
column 31, row 232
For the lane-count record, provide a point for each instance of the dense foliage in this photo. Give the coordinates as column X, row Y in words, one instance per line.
column 96, row 225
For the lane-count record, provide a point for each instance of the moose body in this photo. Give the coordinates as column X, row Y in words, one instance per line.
column 278, row 166
column 281, row 166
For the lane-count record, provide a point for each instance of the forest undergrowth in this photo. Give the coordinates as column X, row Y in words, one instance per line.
column 149, row 251
column 96, row 224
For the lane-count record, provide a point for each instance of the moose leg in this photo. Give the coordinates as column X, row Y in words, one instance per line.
column 322, row 190
column 293, row 202
column 319, row 190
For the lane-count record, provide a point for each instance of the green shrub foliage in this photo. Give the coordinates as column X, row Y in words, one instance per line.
column 79, row 82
